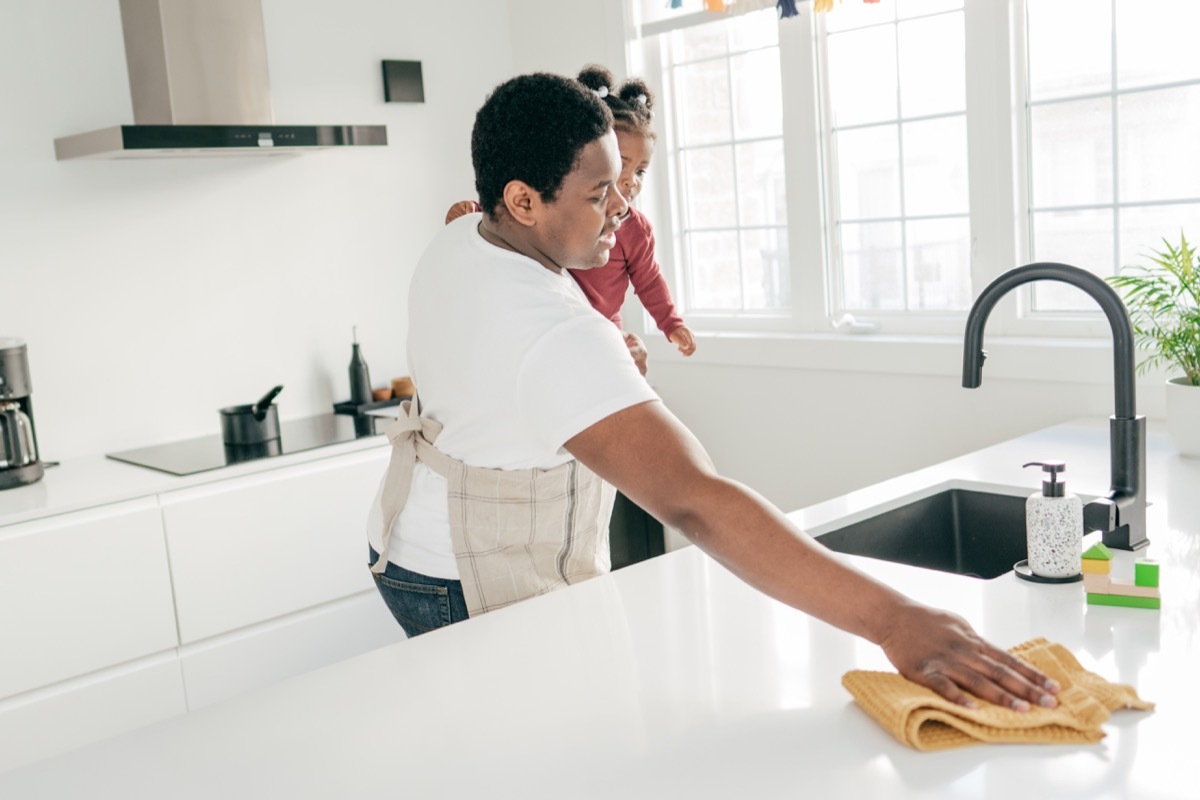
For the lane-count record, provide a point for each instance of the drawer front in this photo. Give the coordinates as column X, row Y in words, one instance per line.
column 46, row 723
column 226, row 666
column 257, row 548
column 82, row 591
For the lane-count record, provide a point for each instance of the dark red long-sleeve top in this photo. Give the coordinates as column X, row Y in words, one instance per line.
column 631, row 261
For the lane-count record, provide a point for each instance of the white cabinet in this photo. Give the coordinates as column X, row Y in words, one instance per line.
column 225, row 666
column 81, row 592
column 50, row 721
column 128, row 613
column 267, row 545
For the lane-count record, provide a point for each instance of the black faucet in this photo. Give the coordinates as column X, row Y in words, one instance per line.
column 1121, row 514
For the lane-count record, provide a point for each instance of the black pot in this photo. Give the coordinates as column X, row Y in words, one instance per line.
column 253, row 423
column 241, row 425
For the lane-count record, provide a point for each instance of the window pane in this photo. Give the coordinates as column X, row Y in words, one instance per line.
column 699, row 41
column 708, row 178
column 766, row 282
column 716, row 283
column 935, row 167
column 703, row 102
column 939, row 264
column 1144, row 228
column 932, row 66
column 868, row 179
column 756, row 94
column 1071, row 153
column 1156, row 41
column 1082, row 68
column 1158, row 133
column 872, row 266
column 757, row 29
column 1082, row 239
column 762, row 188
column 856, row 15
column 914, row 8
column 862, row 75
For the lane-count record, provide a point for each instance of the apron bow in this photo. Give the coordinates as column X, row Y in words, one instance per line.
column 409, row 435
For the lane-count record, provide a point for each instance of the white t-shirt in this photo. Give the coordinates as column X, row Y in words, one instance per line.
column 513, row 361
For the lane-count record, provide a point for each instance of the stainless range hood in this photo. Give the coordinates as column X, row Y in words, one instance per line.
column 198, row 79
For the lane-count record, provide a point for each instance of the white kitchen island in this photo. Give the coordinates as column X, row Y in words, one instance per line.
column 673, row 679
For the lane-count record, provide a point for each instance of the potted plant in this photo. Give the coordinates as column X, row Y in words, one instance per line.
column 1163, row 297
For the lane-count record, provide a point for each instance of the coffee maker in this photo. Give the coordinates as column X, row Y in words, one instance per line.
column 19, row 463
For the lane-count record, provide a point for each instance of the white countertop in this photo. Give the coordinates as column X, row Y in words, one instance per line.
column 92, row 481
column 671, row 678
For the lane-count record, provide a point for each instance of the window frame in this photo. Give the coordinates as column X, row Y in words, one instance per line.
column 997, row 125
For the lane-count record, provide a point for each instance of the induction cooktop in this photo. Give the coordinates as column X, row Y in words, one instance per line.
column 205, row 453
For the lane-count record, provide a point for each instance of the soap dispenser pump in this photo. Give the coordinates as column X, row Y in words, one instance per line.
column 1054, row 526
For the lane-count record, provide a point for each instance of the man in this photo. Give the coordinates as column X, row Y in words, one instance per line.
column 531, row 409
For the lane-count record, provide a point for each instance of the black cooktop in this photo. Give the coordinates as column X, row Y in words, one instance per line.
column 210, row 452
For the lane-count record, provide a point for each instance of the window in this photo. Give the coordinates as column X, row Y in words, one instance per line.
column 888, row 160
column 895, row 121
column 1112, row 124
column 728, row 117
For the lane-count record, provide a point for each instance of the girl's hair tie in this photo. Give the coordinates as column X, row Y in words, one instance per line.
column 602, row 92
column 641, row 98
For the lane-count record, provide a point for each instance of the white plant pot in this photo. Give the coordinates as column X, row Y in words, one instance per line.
column 1183, row 416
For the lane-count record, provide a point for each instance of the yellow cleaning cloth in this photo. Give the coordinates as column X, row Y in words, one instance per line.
column 924, row 720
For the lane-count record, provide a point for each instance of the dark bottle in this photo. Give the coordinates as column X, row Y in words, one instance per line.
column 360, row 376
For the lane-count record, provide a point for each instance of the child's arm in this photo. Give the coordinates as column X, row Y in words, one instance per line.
column 650, row 286
column 462, row 207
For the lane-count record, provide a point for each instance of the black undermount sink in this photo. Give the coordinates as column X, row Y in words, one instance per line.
column 967, row 532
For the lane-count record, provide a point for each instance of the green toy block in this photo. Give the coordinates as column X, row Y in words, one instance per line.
column 1098, row 552
column 1145, row 573
column 1123, row 600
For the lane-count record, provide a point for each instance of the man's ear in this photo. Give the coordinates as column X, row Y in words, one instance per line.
column 522, row 202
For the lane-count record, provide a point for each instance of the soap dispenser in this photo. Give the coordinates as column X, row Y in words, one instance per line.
column 1054, row 526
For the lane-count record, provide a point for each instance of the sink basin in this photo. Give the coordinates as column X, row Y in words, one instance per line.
column 967, row 532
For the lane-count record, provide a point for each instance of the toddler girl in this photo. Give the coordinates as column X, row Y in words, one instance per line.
column 632, row 260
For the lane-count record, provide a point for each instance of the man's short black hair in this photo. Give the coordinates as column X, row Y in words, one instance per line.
column 532, row 129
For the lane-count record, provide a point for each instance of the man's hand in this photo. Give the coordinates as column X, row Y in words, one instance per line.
column 941, row 651
column 637, row 350
column 682, row 338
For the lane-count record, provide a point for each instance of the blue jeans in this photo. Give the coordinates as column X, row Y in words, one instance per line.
column 418, row 602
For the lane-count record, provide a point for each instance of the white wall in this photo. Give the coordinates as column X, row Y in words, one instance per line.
column 153, row 292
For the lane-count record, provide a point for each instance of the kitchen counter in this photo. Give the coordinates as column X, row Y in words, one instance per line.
column 671, row 678
column 91, row 481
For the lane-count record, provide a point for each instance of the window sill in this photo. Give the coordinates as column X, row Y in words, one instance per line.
column 1087, row 361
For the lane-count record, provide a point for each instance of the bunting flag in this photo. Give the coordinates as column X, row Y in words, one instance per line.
column 787, row 8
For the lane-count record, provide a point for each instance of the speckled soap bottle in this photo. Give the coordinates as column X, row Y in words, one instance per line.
column 1054, row 526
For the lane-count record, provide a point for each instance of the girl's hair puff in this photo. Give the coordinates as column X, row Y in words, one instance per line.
column 632, row 103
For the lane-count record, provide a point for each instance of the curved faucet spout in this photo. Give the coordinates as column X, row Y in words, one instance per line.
column 1101, row 292
column 1122, row 513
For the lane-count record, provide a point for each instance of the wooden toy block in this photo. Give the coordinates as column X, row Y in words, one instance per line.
column 1096, row 566
column 1145, row 572
column 1096, row 583
column 1123, row 600
column 1130, row 590
column 1098, row 552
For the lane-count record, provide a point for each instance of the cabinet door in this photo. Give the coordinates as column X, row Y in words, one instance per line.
column 255, row 548
column 50, row 721
column 229, row 665
column 82, row 591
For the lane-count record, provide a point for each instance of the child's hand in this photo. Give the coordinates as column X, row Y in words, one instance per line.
column 682, row 338
column 460, row 208
column 637, row 350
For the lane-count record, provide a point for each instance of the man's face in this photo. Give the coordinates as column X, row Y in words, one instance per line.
column 578, row 229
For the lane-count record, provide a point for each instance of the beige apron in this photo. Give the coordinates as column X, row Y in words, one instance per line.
column 516, row 533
